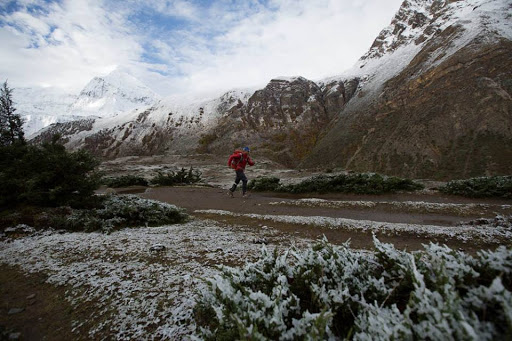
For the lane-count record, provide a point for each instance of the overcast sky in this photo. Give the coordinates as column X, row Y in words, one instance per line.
column 178, row 46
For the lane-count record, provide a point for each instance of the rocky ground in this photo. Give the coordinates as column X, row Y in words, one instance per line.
column 141, row 283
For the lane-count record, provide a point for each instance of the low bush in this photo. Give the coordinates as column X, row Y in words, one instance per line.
column 332, row 292
column 122, row 211
column 112, row 213
column 343, row 183
column 494, row 186
column 125, row 181
column 181, row 177
column 264, row 184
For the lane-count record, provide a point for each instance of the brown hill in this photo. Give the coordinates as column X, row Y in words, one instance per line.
column 440, row 117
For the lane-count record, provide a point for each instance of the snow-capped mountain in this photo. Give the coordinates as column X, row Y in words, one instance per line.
column 435, row 97
column 175, row 124
column 107, row 96
column 115, row 93
column 41, row 107
column 431, row 98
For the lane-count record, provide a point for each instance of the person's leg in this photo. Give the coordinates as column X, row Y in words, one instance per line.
column 244, row 183
column 239, row 176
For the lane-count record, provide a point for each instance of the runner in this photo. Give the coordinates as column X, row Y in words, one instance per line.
column 238, row 160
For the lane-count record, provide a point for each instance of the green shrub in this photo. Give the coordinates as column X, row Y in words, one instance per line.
column 343, row 183
column 494, row 186
column 331, row 292
column 181, row 177
column 125, row 181
column 47, row 175
column 263, row 184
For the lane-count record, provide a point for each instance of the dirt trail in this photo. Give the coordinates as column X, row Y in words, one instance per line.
column 202, row 198
column 384, row 208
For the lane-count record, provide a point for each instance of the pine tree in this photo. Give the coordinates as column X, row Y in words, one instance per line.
column 11, row 130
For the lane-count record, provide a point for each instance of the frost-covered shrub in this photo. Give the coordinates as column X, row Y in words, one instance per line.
column 181, row 177
column 125, row 181
column 365, row 183
column 497, row 221
column 122, row 211
column 494, row 186
column 331, row 292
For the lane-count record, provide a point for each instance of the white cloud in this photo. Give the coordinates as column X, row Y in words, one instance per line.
column 228, row 44
column 312, row 39
column 85, row 41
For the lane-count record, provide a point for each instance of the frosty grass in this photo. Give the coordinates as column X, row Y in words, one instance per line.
column 133, row 288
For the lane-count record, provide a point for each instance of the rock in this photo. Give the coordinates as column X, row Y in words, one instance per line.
column 31, row 297
column 260, row 241
column 15, row 336
column 110, row 191
column 20, row 229
column 157, row 248
column 13, row 311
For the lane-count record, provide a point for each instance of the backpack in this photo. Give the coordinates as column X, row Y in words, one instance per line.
column 238, row 157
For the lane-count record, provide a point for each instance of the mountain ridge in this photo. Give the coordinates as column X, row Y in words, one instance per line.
column 378, row 116
column 458, row 78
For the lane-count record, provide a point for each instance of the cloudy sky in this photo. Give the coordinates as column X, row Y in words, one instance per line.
column 183, row 46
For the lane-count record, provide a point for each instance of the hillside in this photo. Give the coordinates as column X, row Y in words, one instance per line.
column 447, row 113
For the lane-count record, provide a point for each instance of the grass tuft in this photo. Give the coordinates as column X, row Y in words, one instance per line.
column 181, row 177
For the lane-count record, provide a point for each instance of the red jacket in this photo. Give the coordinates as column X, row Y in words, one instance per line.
column 238, row 160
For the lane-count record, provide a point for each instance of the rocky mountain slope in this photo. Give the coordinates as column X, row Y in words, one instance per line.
column 431, row 98
column 284, row 120
column 447, row 113
column 173, row 125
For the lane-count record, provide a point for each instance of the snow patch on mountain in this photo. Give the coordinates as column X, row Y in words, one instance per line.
column 177, row 123
column 107, row 96
column 40, row 107
column 287, row 79
column 415, row 24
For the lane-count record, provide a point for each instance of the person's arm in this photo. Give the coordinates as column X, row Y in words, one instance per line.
column 250, row 162
column 232, row 158
column 229, row 160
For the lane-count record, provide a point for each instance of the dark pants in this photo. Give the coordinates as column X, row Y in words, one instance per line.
column 240, row 176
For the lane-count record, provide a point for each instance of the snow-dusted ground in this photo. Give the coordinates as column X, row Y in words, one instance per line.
column 132, row 287
column 464, row 233
column 402, row 206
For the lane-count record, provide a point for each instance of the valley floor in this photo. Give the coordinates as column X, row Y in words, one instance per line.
column 120, row 286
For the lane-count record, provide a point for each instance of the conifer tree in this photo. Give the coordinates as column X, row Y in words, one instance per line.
column 11, row 130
